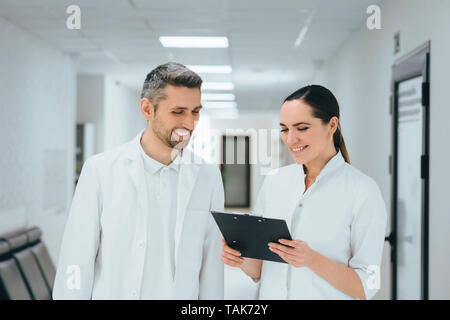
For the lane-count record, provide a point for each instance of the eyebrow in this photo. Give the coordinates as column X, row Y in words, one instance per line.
column 294, row 125
column 185, row 108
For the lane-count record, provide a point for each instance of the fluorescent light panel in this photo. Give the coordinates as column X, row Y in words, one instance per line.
column 218, row 97
column 210, row 69
column 194, row 42
column 217, row 86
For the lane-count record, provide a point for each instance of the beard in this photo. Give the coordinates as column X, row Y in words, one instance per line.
column 175, row 138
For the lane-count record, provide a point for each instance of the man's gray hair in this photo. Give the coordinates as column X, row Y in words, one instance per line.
column 172, row 73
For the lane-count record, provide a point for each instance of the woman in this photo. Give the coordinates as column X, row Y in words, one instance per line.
column 336, row 214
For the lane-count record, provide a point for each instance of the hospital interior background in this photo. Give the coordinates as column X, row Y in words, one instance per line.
column 68, row 92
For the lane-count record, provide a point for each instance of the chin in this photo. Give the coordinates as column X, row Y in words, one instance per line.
column 301, row 159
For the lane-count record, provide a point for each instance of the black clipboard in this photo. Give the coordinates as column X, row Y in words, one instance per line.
column 251, row 234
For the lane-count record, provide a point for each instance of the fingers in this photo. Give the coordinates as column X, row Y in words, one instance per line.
column 230, row 256
column 229, row 250
column 232, row 260
column 281, row 248
column 294, row 256
column 282, row 251
column 291, row 243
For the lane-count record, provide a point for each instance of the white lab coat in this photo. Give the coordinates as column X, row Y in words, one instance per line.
column 342, row 216
column 103, row 249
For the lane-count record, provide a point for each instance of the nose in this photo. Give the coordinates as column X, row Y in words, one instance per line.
column 189, row 122
column 291, row 138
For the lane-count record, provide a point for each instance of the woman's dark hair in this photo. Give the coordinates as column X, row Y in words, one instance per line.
column 324, row 106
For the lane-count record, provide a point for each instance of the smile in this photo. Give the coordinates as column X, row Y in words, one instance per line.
column 299, row 149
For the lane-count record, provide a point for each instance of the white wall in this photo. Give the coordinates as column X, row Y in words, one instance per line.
column 122, row 115
column 359, row 74
column 90, row 104
column 112, row 107
column 37, row 136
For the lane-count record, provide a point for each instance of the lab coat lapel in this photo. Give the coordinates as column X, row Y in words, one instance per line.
column 187, row 178
column 136, row 171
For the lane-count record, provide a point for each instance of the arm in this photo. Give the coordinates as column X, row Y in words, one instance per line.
column 212, row 272
column 75, row 271
column 367, row 240
column 299, row 254
column 231, row 257
column 341, row 277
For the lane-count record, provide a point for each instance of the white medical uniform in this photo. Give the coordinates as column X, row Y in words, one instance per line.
column 110, row 235
column 342, row 216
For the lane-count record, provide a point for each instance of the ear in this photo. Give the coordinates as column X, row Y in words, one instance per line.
column 147, row 109
column 334, row 123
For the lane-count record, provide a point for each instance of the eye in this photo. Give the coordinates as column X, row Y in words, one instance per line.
column 180, row 112
column 283, row 130
column 302, row 129
column 197, row 112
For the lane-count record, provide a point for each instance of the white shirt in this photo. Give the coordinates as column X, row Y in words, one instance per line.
column 342, row 216
column 159, row 267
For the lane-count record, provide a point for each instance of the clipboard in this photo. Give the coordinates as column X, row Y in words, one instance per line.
column 251, row 234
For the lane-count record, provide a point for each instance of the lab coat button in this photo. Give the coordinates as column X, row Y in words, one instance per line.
column 141, row 244
column 300, row 205
column 134, row 294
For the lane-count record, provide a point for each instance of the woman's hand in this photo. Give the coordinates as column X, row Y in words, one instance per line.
column 299, row 255
column 231, row 257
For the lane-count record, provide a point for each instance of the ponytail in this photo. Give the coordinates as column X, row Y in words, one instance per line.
column 339, row 144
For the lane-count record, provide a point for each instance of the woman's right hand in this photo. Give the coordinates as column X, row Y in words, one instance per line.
column 230, row 256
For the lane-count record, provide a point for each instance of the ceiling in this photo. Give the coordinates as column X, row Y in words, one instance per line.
column 120, row 38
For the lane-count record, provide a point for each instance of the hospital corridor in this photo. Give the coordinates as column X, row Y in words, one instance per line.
column 159, row 150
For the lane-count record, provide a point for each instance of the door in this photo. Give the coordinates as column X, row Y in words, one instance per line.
column 409, row 175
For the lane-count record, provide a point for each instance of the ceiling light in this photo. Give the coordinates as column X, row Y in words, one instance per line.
column 217, row 86
column 303, row 31
column 194, row 42
column 218, row 96
column 210, row 69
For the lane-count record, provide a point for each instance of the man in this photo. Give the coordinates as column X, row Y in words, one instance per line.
column 139, row 226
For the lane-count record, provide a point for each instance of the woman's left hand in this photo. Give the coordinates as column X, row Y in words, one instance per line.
column 299, row 255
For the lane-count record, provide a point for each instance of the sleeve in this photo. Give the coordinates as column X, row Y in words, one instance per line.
column 212, row 272
column 368, row 230
column 75, row 271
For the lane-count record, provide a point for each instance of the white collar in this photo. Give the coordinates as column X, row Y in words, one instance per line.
column 335, row 162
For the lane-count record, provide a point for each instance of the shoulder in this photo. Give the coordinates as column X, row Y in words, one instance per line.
column 364, row 185
column 109, row 158
column 282, row 173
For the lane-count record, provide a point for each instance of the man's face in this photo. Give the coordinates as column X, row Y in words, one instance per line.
column 177, row 115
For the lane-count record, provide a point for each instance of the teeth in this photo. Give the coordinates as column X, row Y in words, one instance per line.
column 298, row 149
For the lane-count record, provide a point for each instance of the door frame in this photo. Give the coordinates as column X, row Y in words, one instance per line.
column 414, row 64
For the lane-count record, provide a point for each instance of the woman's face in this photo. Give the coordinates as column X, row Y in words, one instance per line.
column 306, row 137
